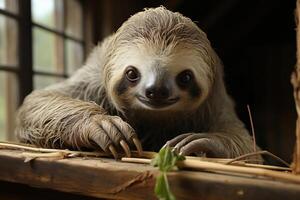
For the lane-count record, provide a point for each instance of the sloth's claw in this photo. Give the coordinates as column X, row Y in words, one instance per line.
column 176, row 140
column 115, row 133
column 138, row 145
column 174, row 150
column 113, row 151
column 198, row 144
column 125, row 148
column 111, row 133
column 198, row 147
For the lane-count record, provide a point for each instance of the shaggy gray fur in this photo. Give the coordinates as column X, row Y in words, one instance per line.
column 69, row 114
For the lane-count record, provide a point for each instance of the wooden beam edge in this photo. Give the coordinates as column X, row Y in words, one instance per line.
column 83, row 180
column 112, row 180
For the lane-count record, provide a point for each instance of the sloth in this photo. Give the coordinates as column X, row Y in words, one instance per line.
column 155, row 82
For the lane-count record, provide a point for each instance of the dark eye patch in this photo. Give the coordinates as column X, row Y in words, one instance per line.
column 186, row 81
column 194, row 89
column 124, row 83
column 122, row 86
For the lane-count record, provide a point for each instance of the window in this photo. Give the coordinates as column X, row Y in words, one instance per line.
column 8, row 65
column 57, row 40
column 41, row 43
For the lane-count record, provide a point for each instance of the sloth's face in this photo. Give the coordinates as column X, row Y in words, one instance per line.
column 176, row 79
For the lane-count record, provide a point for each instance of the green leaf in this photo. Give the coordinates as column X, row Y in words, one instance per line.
column 165, row 160
column 162, row 189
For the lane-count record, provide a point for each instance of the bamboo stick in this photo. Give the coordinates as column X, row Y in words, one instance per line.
column 203, row 165
column 217, row 167
column 232, row 161
column 17, row 146
column 52, row 156
column 271, row 167
column 136, row 160
column 6, row 145
column 146, row 155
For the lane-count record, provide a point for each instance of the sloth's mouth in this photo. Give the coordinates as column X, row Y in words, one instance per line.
column 157, row 103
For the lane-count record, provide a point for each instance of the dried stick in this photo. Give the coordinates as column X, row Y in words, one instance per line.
column 147, row 155
column 257, row 153
column 202, row 165
column 136, row 160
column 216, row 160
column 252, row 128
column 218, row 167
column 271, row 167
column 53, row 156
column 8, row 145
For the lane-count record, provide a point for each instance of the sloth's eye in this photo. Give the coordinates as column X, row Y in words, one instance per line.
column 185, row 77
column 132, row 74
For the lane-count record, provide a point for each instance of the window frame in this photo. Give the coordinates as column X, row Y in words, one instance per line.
column 23, row 70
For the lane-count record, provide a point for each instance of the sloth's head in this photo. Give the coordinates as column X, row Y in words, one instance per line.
column 160, row 61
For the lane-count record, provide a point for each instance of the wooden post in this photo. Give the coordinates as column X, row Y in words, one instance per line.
column 295, row 79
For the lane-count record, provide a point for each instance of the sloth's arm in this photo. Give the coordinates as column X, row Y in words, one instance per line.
column 65, row 116
column 226, row 137
column 222, row 143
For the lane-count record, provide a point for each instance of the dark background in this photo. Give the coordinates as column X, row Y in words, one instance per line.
column 256, row 42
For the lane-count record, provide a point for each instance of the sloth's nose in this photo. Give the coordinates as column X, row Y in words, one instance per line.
column 157, row 92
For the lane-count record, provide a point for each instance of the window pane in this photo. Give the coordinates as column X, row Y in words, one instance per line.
column 74, row 18
column 74, row 57
column 2, row 4
column 8, row 102
column 8, row 41
column 48, row 13
column 47, row 51
column 42, row 81
column 9, row 5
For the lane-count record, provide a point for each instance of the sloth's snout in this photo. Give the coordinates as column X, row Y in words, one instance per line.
column 157, row 93
column 157, row 97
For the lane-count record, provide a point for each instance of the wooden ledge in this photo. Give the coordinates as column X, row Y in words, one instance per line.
column 107, row 178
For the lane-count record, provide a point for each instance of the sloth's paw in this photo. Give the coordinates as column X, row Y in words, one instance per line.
column 113, row 135
column 199, row 144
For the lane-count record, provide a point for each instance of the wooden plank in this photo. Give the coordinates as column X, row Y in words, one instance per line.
column 296, row 85
column 91, row 177
column 16, row 191
column 107, row 178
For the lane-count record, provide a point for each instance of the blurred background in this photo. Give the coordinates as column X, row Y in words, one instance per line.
column 45, row 41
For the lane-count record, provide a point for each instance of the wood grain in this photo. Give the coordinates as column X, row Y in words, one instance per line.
column 107, row 178
column 296, row 85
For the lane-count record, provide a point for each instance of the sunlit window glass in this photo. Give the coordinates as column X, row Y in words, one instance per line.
column 8, row 41
column 9, row 5
column 47, row 51
column 8, row 104
column 43, row 12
